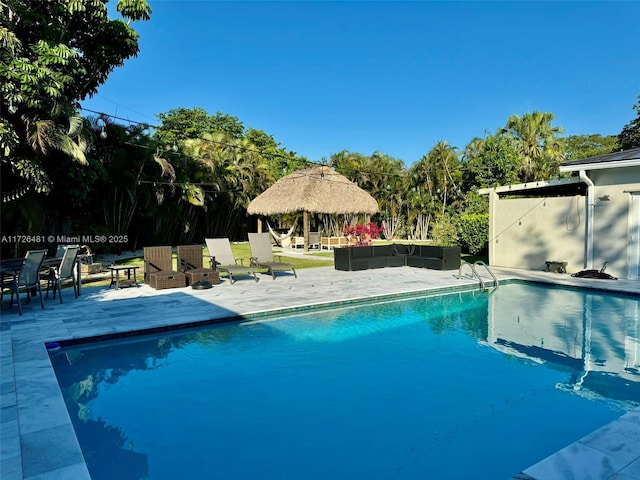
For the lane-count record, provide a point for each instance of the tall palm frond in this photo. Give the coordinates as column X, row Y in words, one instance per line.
column 537, row 141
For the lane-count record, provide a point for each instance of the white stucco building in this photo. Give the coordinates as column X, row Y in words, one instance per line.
column 586, row 220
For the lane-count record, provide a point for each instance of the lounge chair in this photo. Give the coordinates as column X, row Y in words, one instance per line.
column 65, row 270
column 158, row 269
column 190, row 262
column 314, row 240
column 222, row 259
column 29, row 277
column 262, row 255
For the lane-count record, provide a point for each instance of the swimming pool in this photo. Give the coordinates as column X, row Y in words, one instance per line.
column 454, row 386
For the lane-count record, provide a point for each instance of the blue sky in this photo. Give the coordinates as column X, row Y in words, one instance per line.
column 396, row 77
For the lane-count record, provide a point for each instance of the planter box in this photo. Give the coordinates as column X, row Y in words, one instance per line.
column 397, row 255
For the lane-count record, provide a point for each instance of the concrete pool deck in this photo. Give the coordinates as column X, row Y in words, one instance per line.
column 37, row 440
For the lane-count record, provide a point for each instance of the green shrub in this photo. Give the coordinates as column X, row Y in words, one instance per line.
column 474, row 231
column 444, row 232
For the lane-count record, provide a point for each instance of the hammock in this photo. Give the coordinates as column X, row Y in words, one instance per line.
column 283, row 240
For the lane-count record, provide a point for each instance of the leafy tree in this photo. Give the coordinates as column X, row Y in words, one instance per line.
column 491, row 162
column 183, row 123
column 281, row 161
column 419, row 208
column 383, row 177
column 629, row 137
column 445, row 232
column 443, row 171
column 537, row 142
column 584, row 146
column 350, row 164
column 474, row 231
column 434, row 186
column 475, row 203
column 232, row 172
column 55, row 54
column 126, row 166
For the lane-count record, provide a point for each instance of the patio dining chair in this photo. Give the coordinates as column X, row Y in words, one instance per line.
column 66, row 270
column 29, row 277
column 262, row 255
column 222, row 259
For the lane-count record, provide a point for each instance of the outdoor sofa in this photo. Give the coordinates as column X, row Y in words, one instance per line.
column 397, row 255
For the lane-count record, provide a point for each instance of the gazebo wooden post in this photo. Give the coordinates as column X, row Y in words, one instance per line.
column 259, row 222
column 305, row 230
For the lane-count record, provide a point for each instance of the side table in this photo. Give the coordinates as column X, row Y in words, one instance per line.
column 115, row 276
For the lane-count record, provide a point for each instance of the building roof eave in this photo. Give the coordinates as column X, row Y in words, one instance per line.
column 600, row 166
column 530, row 185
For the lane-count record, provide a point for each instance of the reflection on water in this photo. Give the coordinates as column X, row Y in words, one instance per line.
column 593, row 335
column 82, row 371
column 591, row 339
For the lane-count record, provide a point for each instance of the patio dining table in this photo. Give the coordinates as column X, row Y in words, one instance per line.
column 11, row 267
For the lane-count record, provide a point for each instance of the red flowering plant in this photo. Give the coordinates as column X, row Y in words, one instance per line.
column 359, row 234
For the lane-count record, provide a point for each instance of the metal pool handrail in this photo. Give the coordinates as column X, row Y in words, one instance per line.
column 474, row 273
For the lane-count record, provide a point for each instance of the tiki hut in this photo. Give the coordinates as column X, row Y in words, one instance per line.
column 313, row 190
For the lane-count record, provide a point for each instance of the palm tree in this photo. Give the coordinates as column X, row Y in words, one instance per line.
column 234, row 172
column 444, row 172
column 537, row 142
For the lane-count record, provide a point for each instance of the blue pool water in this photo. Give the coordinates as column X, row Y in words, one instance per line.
column 458, row 386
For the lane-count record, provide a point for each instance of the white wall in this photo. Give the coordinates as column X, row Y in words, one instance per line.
column 526, row 232
column 611, row 217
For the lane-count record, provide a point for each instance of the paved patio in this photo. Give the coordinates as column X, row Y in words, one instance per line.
column 37, row 441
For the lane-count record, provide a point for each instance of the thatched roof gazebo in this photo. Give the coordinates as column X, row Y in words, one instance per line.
column 313, row 190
